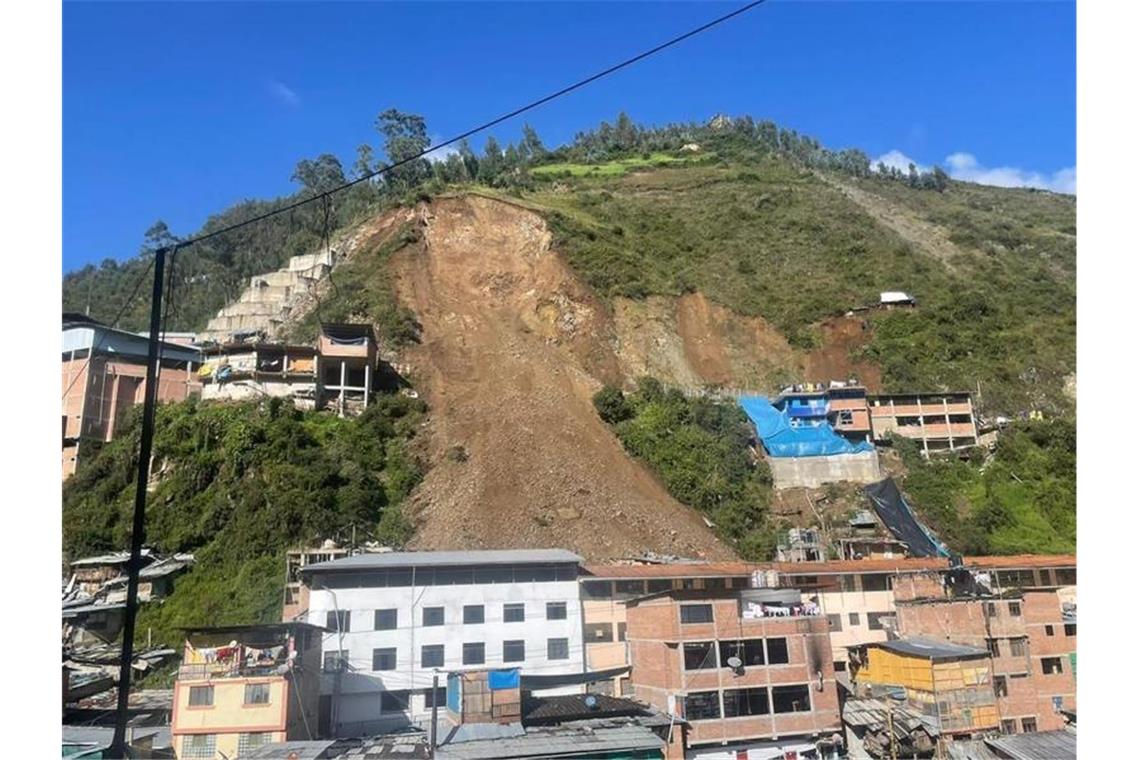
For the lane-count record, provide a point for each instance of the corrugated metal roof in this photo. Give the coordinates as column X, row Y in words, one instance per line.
column 384, row 560
column 899, row 564
column 1043, row 745
column 931, row 649
column 279, row 750
column 677, row 570
column 553, row 741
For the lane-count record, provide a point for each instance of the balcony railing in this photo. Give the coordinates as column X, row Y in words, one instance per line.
column 213, row 671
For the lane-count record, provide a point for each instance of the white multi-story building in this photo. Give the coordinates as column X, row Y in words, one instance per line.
column 396, row 619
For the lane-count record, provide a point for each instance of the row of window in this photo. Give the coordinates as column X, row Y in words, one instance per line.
column 474, row 653
column 1014, row 647
column 473, row 614
column 738, row 703
column 255, row 694
column 702, row 655
column 205, row 745
column 449, row 576
column 876, row 621
column 631, row 589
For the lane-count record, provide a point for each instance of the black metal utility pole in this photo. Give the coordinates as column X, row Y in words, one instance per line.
column 118, row 746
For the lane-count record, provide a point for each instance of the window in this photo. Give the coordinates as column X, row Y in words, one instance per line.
column 384, row 659
column 1015, row 609
column 777, row 651
column 1017, row 647
column 991, row 609
column 431, row 656
column 878, row 621
column 472, row 614
column 878, row 582
column 750, row 652
column 337, row 621
column 334, row 661
column 699, row 655
column 250, row 742
column 835, row 622
column 514, row 612
column 739, row 702
column 1066, row 576
column 1058, row 704
column 514, row 651
column 847, row 583
column 1051, row 665
column 621, row 632
column 1001, row 689
column 556, row 610
column 385, row 620
column 696, row 613
column 629, row 589
column 1009, row 726
column 393, row 701
column 1070, row 629
column 1028, row 725
column 433, row 616
column 201, row 696
column 198, row 745
column 853, row 618
column 598, row 632
column 791, row 699
column 1048, row 630
column 473, row 653
column 435, row 697
column 994, row 646
column 657, row 585
column 596, row 589
column 711, row 583
column 702, row 705
column 257, row 694
column 558, row 649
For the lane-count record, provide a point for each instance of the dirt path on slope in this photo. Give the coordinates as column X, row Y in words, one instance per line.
column 513, row 348
column 926, row 237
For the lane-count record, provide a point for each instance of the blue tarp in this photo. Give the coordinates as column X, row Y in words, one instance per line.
column 783, row 439
column 503, row 679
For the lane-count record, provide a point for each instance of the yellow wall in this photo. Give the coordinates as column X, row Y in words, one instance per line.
column 229, row 713
column 890, row 668
column 953, row 682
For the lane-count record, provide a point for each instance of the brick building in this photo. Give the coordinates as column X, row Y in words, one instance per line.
column 1030, row 640
column 936, row 421
column 749, row 670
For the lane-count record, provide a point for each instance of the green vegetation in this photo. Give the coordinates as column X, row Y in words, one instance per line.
column 1023, row 500
column 699, row 450
column 614, row 168
column 238, row 485
column 362, row 290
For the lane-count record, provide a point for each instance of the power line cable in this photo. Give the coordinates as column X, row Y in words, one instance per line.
column 475, row 130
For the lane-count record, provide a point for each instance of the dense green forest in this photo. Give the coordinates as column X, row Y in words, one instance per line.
column 699, row 449
column 238, row 485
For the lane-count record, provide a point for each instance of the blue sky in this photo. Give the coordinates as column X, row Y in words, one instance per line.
column 176, row 110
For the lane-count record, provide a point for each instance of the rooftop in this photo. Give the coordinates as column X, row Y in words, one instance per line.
column 594, row 738
column 679, row 570
column 386, row 560
column 547, row 710
column 931, row 649
column 1055, row 745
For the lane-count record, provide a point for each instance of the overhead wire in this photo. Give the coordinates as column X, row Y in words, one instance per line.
column 482, row 127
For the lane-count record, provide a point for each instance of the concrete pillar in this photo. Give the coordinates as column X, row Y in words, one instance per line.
column 343, row 380
column 367, row 382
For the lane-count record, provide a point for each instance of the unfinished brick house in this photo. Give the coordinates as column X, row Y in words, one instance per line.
column 1030, row 639
column 747, row 669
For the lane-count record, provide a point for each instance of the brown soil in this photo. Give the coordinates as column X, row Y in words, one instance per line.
column 842, row 337
column 514, row 346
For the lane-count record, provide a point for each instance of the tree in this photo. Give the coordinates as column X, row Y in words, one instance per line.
column 941, row 180
column 470, row 160
column 365, row 161
column 157, row 236
column 611, row 405
column 320, row 175
column 491, row 165
column 531, row 147
column 911, row 175
column 405, row 136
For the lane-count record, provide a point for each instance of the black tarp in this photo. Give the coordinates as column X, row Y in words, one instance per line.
column 899, row 518
column 570, row 679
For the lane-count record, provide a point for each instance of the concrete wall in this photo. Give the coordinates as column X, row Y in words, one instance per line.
column 812, row 472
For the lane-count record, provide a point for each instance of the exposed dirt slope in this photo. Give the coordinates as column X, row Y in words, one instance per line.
column 513, row 348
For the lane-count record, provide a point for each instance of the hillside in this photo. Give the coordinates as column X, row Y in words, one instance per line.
column 511, row 298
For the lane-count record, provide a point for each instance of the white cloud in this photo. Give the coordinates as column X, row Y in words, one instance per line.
column 283, row 93
column 896, row 159
column 965, row 167
column 439, row 155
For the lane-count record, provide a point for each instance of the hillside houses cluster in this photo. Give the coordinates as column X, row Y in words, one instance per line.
column 480, row 654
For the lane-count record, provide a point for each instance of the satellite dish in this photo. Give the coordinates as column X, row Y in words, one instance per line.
column 735, row 663
column 591, row 701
